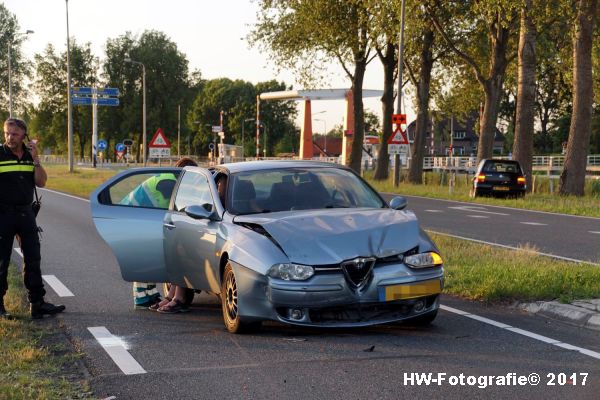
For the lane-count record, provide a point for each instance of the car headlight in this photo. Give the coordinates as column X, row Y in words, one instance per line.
column 291, row 272
column 424, row 260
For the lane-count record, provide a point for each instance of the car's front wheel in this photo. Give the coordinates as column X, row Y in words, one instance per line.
column 230, row 303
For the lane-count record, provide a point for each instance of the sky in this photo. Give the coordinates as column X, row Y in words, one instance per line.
column 211, row 33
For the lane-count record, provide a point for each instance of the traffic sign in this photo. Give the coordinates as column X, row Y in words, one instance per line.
column 107, row 91
column 399, row 119
column 159, row 140
column 101, row 144
column 120, row 147
column 216, row 128
column 397, row 149
column 128, row 142
column 160, row 152
column 81, row 101
column 82, row 91
column 107, row 101
column 398, row 137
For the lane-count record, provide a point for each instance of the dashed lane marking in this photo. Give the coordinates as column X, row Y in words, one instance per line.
column 477, row 216
column 533, row 223
column 523, row 332
column 595, row 232
column 117, row 350
column 57, row 286
column 433, row 211
column 477, row 209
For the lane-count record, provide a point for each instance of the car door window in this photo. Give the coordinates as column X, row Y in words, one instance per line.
column 193, row 190
column 144, row 190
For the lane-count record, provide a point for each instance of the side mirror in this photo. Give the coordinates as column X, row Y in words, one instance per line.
column 201, row 212
column 398, row 203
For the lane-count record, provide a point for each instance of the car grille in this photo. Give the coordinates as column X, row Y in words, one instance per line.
column 368, row 311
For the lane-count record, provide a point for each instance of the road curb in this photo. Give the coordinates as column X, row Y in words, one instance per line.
column 583, row 313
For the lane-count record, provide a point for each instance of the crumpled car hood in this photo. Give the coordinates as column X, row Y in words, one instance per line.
column 318, row 237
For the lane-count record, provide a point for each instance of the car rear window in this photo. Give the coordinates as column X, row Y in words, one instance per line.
column 502, row 166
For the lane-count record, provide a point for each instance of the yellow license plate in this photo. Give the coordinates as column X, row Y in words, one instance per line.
column 501, row 188
column 410, row 290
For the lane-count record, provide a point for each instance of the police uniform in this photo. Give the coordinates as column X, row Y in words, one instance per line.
column 17, row 218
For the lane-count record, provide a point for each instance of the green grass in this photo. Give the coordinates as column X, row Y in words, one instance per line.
column 436, row 186
column 492, row 274
column 81, row 182
column 35, row 361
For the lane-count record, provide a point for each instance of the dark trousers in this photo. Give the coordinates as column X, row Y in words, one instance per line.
column 21, row 223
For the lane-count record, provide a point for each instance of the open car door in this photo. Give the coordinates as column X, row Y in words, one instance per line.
column 128, row 211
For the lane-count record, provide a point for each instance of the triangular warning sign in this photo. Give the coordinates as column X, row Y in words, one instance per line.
column 398, row 137
column 159, row 140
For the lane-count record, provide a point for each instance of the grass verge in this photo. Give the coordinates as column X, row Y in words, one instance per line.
column 36, row 362
column 81, row 182
column 481, row 272
column 436, row 186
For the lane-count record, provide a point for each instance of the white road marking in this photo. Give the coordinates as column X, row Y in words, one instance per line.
column 477, row 216
column 477, row 209
column 19, row 252
column 596, row 232
column 533, row 223
column 57, row 286
column 433, row 211
column 66, row 195
column 513, row 248
column 523, row 332
column 117, row 350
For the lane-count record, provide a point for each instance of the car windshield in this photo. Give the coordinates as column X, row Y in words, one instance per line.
column 502, row 166
column 290, row 189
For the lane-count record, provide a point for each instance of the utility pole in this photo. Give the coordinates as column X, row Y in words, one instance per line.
column 69, row 106
column 396, row 179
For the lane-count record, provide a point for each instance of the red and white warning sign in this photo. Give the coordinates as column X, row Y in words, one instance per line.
column 159, row 140
column 398, row 137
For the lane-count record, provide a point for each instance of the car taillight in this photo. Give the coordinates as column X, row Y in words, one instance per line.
column 521, row 180
column 481, row 178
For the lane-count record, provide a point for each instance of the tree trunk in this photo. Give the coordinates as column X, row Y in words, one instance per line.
column 415, row 174
column 493, row 91
column 359, row 120
column 572, row 178
column 523, row 142
column 389, row 62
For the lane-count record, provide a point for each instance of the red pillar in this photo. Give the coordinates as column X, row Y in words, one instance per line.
column 306, row 144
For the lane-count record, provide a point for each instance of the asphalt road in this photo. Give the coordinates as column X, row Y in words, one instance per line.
column 191, row 356
column 556, row 234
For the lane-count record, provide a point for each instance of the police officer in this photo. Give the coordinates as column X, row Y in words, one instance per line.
column 20, row 171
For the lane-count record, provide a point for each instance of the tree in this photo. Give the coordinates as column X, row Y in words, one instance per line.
column 523, row 140
column 481, row 35
column 300, row 35
column 20, row 68
column 572, row 177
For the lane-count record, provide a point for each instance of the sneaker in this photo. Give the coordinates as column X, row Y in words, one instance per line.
column 147, row 304
column 41, row 308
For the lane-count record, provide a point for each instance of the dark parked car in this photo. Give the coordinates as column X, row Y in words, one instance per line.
column 499, row 178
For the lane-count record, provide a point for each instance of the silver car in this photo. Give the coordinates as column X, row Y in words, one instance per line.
column 299, row 242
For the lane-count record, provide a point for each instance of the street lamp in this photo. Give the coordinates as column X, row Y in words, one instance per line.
column 243, row 125
column 129, row 60
column 325, row 129
column 10, row 43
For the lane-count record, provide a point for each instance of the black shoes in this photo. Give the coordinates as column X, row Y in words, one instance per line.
column 41, row 308
column 3, row 313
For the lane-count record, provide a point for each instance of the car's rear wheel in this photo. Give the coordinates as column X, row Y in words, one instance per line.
column 230, row 302
column 188, row 296
column 423, row 320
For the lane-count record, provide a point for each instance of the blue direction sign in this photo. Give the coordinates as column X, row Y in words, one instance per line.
column 120, row 147
column 81, row 101
column 87, row 91
column 107, row 91
column 107, row 101
column 101, row 145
